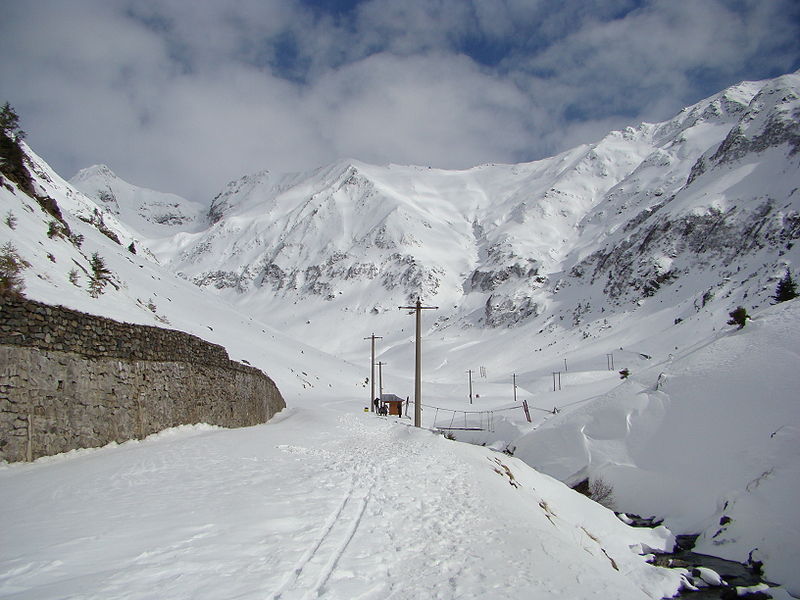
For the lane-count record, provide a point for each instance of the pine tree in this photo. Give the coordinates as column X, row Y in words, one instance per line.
column 786, row 289
column 99, row 277
column 12, row 157
column 11, row 266
column 9, row 122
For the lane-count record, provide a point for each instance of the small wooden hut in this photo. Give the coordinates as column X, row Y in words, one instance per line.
column 393, row 403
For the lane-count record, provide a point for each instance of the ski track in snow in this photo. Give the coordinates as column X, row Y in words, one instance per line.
column 332, row 542
column 430, row 544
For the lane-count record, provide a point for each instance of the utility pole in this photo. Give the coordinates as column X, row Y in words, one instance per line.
column 418, row 308
column 373, row 337
column 380, row 379
column 514, row 379
column 470, row 385
column 556, row 374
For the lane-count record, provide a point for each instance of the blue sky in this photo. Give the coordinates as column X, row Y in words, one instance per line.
column 185, row 96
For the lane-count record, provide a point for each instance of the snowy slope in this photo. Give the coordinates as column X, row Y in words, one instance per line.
column 150, row 213
column 711, row 436
column 319, row 504
column 141, row 291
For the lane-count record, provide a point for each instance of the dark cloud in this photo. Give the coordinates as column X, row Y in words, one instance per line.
column 184, row 96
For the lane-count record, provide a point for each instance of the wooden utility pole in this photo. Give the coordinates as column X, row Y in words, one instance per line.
column 373, row 337
column 470, row 385
column 418, row 308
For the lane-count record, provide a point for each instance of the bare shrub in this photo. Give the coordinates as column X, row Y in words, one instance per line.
column 601, row 492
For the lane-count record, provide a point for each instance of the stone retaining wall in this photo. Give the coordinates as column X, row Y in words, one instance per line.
column 72, row 380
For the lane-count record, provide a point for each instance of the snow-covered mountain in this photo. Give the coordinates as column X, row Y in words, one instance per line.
column 147, row 212
column 56, row 230
column 628, row 253
column 702, row 206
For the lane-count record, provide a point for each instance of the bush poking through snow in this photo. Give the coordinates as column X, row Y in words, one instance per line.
column 598, row 490
column 601, row 492
column 76, row 239
column 55, row 229
column 738, row 317
column 624, row 373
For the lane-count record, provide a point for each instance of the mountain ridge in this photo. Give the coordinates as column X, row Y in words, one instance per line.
column 597, row 230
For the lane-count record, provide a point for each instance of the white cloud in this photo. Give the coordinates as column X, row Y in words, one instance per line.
column 433, row 109
column 184, row 96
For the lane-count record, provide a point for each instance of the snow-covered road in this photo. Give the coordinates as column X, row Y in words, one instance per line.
column 315, row 504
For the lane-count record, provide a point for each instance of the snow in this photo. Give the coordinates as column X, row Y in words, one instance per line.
column 710, row 577
column 709, row 434
column 328, row 503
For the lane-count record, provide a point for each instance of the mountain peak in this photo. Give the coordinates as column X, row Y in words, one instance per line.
column 148, row 212
column 101, row 170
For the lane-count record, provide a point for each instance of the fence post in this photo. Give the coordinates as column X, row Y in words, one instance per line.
column 556, row 378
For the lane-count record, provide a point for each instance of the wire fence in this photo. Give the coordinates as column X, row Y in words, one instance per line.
column 450, row 419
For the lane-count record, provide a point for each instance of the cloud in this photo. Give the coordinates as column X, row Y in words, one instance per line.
column 657, row 52
column 434, row 109
column 186, row 96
